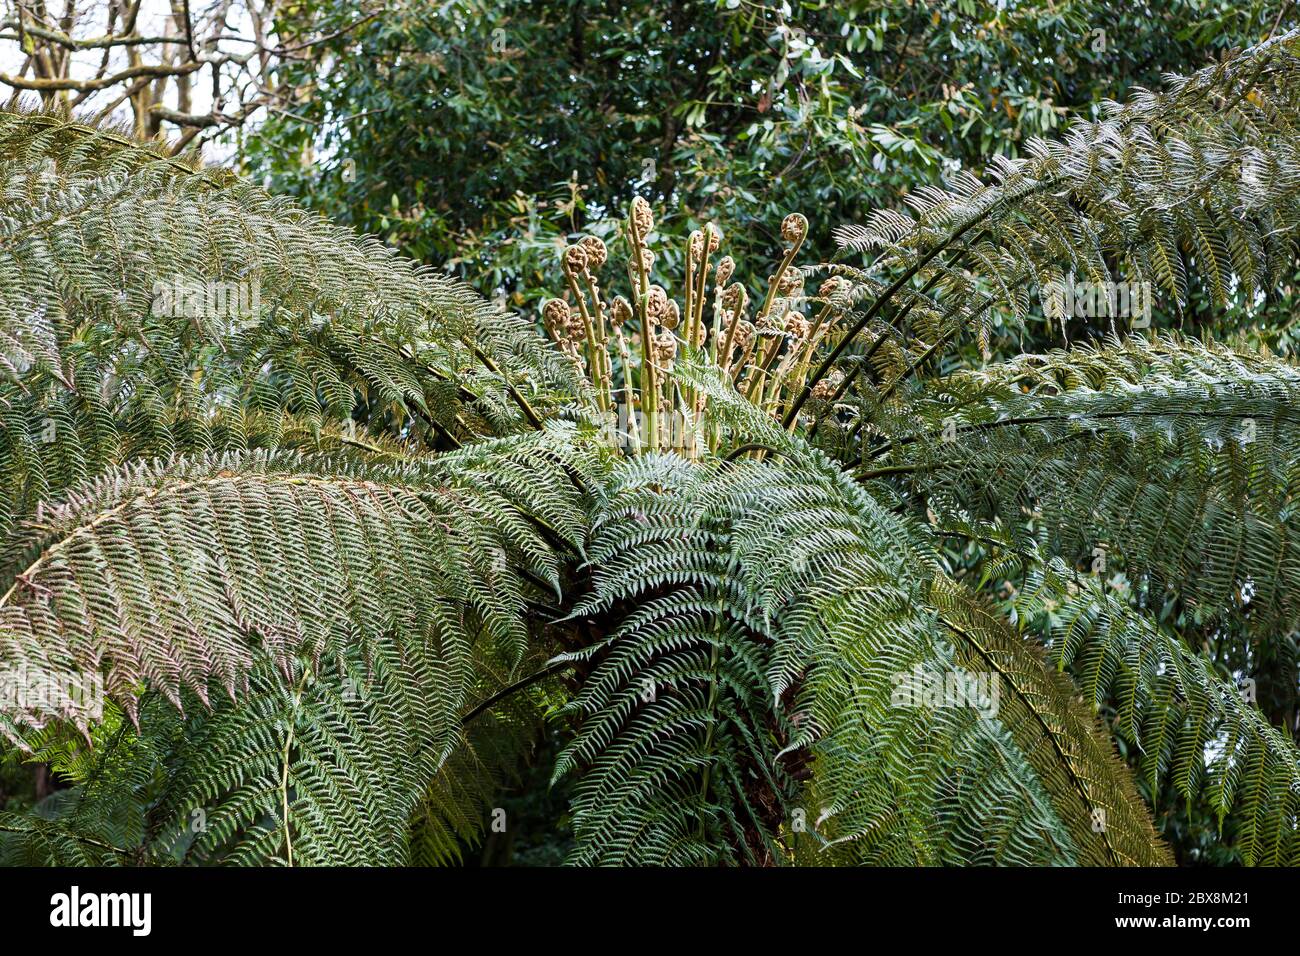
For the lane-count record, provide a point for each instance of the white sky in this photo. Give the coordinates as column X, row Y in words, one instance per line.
column 153, row 21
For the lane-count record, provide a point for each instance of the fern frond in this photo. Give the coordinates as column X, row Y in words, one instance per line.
column 1191, row 721
column 1203, row 166
column 180, row 575
column 715, row 574
column 1178, row 460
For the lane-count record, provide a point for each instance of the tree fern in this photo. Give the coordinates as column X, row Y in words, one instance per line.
column 338, row 566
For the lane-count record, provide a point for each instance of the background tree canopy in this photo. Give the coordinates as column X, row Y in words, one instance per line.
column 478, row 135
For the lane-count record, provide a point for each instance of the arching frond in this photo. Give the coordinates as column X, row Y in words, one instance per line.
column 1193, row 723
column 1200, row 174
column 153, row 309
column 717, row 575
column 1177, row 461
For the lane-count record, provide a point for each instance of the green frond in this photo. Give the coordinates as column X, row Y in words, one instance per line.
column 676, row 741
column 354, row 612
column 31, row 840
column 145, row 298
column 177, row 576
column 1201, row 173
column 1192, row 722
column 1176, row 461
column 1073, row 756
column 712, row 576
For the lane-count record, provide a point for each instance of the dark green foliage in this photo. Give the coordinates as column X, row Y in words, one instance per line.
column 478, row 134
